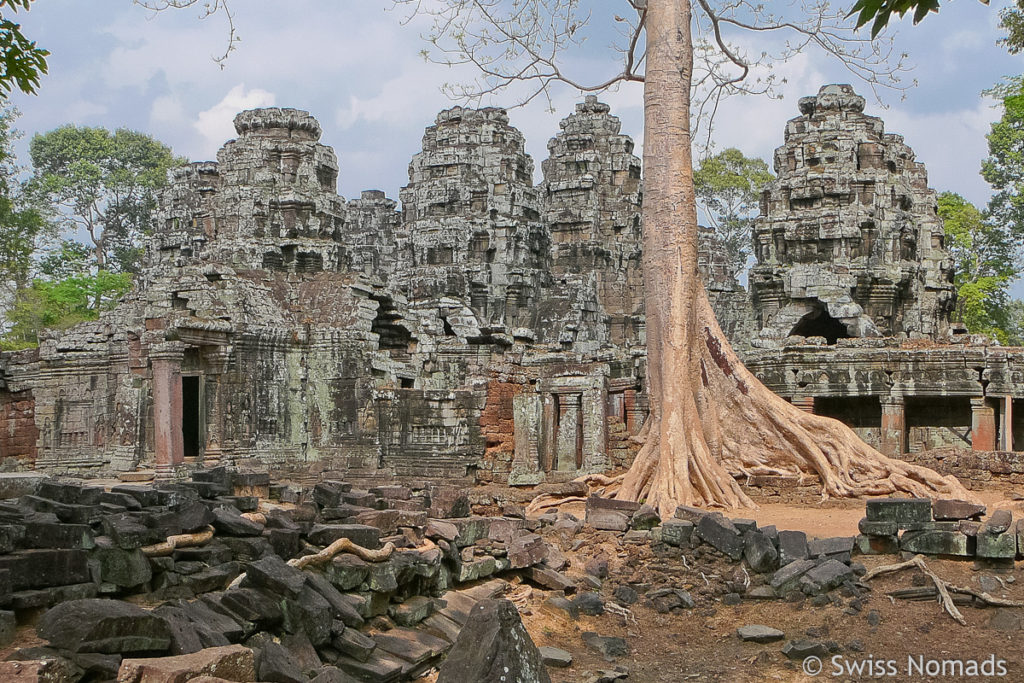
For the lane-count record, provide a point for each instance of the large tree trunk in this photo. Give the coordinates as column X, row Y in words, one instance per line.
column 710, row 419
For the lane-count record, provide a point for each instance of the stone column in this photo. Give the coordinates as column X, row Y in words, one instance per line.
column 167, row 409
column 548, row 433
column 894, row 426
column 983, row 425
column 216, row 361
column 804, row 403
column 634, row 411
column 568, row 431
column 1007, row 444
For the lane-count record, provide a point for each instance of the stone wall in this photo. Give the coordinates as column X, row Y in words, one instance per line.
column 18, row 432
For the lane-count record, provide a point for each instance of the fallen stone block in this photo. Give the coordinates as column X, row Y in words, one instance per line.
column 494, row 645
column 645, row 518
column 45, row 568
column 792, row 546
column 760, row 552
column 998, row 545
column 308, row 613
column 876, row 545
column 826, row 547
column 549, row 579
column 230, row 663
column 788, row 577
column 230, row 522
column 799, row 650
column 609, row 514
column 411, row 646
column 448, row 502
column 903, row 511
column 275, row 576
column 756, row 633
column 18, row 484
column 379, row 668
column 719, row 532
column 122, row 568
column 327, row 494
column 555, row 657
column 56, row 535
column 690, row 514
column 676, row 532
column 106, row 626
column 411, row 611
column 826, row 576
column 938, row 543
column 878, row 528
column 610, row 647
column 999, row 522
column 276, row 663
column 360, row 534
column 950, row 509
column 526, row 550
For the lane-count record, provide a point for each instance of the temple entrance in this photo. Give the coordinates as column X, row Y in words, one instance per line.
column 819, row 323
column 191, row 417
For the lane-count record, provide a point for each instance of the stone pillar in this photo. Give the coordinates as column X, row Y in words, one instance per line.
column 568, row 443
column 983, row 425
column 804, row 403
column 216, row 361
column 549, row 434
column 167, row 409
column 1007, row 444
column 633, row 410
column 894, row 426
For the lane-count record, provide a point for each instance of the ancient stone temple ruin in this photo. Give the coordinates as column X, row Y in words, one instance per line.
column 492, row 329
column 853, row 292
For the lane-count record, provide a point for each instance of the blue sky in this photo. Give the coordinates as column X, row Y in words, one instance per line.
column 357, row 69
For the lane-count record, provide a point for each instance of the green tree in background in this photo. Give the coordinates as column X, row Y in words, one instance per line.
column 987, row 262
column 1004, row 167
column 22, row 221
column 50, row 304
column 728, row 187
column 104, row 185
column 21, row 61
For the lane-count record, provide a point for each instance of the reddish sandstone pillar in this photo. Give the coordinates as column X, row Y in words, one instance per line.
column 167, row 409
column 983, row 425
column 893, row 440
column 804, row 403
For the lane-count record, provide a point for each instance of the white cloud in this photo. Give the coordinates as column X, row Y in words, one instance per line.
column 216, row 124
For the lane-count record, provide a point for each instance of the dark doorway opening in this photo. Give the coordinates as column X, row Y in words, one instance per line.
column 191, row 417
column 820, row 324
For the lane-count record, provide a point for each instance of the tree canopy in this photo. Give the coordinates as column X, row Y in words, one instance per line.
column 104, row 184
column 879, row 12
column 728, row 187
column 22, row 62
column 986, row 260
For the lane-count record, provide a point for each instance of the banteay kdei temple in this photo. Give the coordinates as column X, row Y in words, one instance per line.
column 484, row 328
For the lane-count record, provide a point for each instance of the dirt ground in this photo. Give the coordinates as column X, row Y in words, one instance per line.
column 900, row 640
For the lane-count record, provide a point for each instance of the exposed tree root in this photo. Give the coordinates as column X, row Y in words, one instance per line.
column 257, row 517
column 940, row 585
column 547, row 500
column 343, row 545
column 600, row 485
column 943, row 588
column 179, row 541
column 733, row 426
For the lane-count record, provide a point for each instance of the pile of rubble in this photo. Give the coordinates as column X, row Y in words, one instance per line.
column 211, row 555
